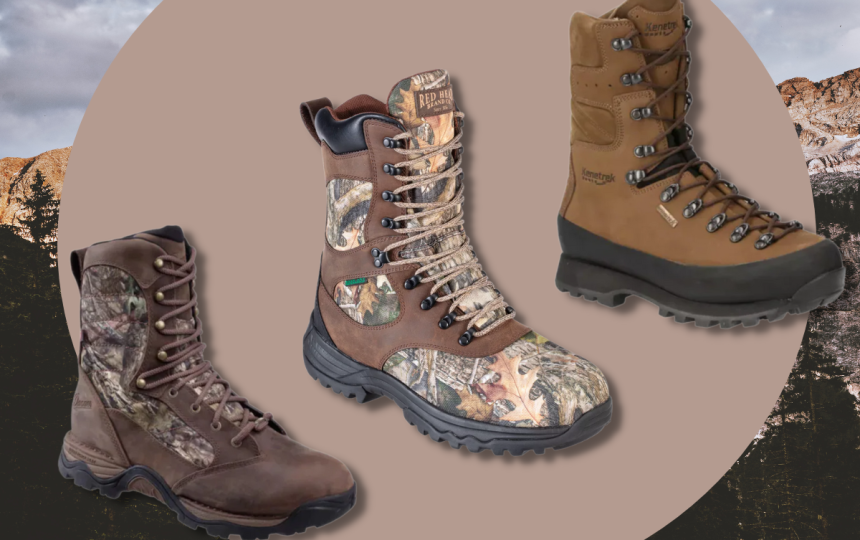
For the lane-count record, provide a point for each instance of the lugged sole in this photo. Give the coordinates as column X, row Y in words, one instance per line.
column 311, row 514
column 611, row 288
column 343, row 375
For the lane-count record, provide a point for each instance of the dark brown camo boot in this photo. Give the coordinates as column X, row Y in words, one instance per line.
column 151, row 415
column 405, row 310
column 644, row 215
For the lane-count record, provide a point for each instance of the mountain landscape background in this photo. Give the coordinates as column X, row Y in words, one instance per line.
column 17, row 176
column 826, row 115
column 798, row 479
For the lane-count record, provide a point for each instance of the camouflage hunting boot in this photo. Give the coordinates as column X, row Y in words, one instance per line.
column 151, row 415
column 644, row 215
column 404, row 308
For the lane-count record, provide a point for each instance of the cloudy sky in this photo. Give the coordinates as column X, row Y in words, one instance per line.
column 54, row 52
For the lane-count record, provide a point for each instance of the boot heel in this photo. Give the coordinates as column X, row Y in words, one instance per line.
column 334, row 369
column 594, row 283
column 83, row 476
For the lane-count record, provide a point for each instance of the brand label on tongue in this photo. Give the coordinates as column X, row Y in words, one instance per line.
column 434, row 101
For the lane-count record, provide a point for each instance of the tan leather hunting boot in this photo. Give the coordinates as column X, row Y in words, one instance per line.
column 151, row 415
column 405, row 310
column 644, row 215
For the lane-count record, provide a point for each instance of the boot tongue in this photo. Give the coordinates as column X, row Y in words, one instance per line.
column 660, row 24
column 424, row 104
column 172, row 240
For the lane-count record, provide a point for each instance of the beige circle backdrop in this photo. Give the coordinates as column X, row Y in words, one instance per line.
column 196, row 123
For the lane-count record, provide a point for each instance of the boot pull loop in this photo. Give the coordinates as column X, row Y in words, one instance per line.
column 309, row 110
column 78, row 264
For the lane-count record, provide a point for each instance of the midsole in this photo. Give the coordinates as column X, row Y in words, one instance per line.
column 324, row 356
column 145, row 480
column 771, row 279
column 584, row 277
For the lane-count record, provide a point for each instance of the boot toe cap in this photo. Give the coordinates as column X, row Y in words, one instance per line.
column 282, row 478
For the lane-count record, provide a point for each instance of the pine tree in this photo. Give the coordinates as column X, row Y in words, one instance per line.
column 42, row 215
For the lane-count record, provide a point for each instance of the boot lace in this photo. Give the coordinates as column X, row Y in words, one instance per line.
column 200, row 373
column 436, row 229
column 772, row 229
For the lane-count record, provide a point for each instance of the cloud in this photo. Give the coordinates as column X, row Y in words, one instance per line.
column 799, row 38
column 53, row 53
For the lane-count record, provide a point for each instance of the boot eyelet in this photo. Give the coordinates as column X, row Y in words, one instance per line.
column 796, row 224
column 141, row 383
column 159, row 325
column 716, row 222
column 195, row 408
column 429, row 302
column 643, row 151
column 216, row 426
column 773, row 215
column 389, row 223
column 467, row 336
column 388, row 168
column 732, row 187
column 158, row 263
column 764, row 241
column 670, row 192
column 630, row 79
column 162, row 355
column 379, row 257
column 388, row 142
column 739, row 232
column 689, row 133
column 687, row 23
column 235, row 444
column 173, row 393
column 693, row 208
column 159, row 296
column 446, row 321
column 390, row 196
column 411, row 283
column 621, row 44
column 688, row 100
column 509, row 310
column 641, row 113
column 634, row 177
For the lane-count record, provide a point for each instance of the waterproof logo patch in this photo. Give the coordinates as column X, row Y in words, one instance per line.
column 670, row 219
column 596, row 177
column 434, row 101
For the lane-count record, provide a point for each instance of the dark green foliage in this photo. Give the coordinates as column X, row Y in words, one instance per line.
column 42, row 216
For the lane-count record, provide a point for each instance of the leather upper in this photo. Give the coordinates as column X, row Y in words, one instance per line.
column 414, row 327
column 604, row 136
column 268, row 473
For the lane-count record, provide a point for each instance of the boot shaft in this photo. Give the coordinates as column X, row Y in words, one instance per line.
column 121, row 308
column 393, row 172
column 629, row 99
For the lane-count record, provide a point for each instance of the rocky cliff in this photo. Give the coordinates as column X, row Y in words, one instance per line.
column 826, row 116
column 17, row 174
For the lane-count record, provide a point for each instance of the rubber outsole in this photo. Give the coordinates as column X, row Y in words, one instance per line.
column 311, row 514
column 335, row 370
column 612, row 288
